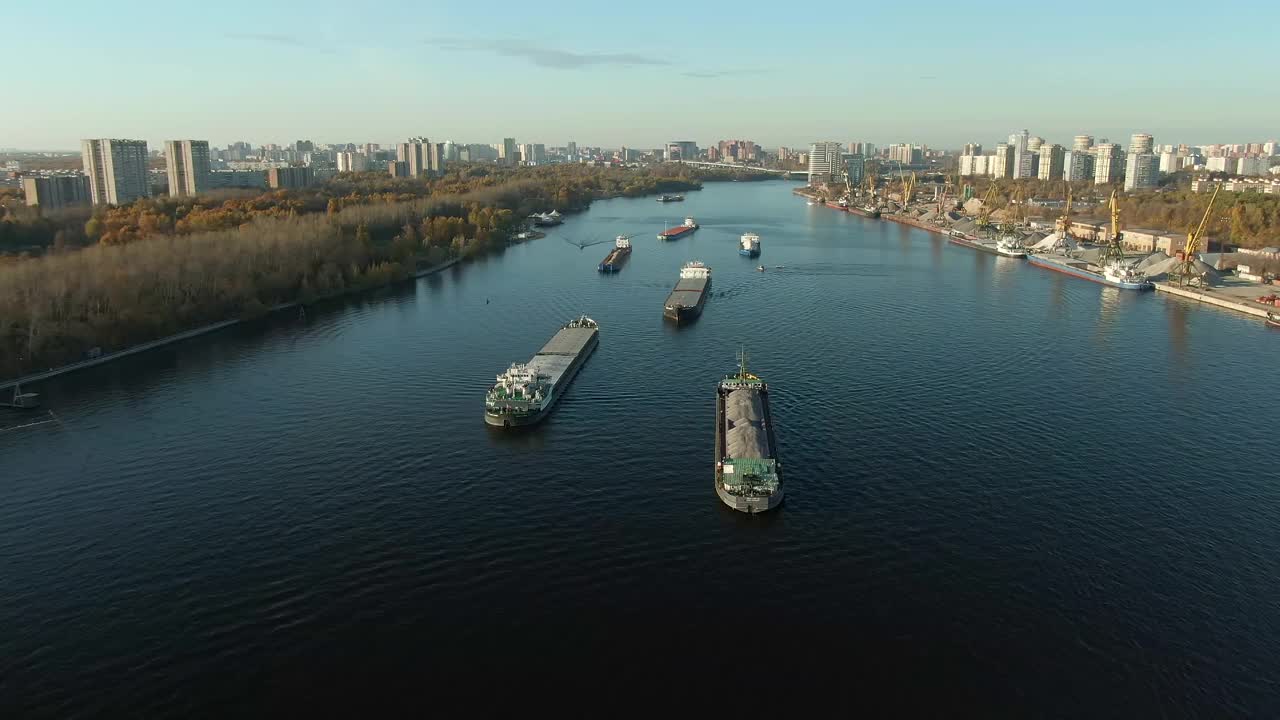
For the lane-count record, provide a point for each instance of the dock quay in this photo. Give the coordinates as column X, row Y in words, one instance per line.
column 1238, row 296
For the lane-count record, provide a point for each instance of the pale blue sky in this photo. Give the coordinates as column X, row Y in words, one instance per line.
column 939, row 72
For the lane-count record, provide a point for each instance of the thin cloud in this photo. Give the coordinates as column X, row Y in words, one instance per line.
column 712, row 74
column 546, row 57
column 284, row 40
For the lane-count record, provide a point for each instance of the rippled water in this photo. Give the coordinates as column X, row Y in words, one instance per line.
column 1008, row 488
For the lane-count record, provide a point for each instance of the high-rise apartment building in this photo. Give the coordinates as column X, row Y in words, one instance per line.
column 289, row 178
column 868, row 150
column 1108, row 163
column 507, row 151
column 188, row 166
column 974, row 164
column 416, row 154
column 1142, row 171
column 972, row 149
column 1034, row 143
column 1022, row 167
column 824, row 161
column 352, row 162
column 55, row 193
column 1051, row 161
column 1078, row 165
column 1141, row 143
column 855, row 168
column 1082, row 143
column 1003, row 162
column 1252, row 165
column 117, row 170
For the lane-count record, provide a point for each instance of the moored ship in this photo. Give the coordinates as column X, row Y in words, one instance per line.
column 866, row 211
column 1011, row 246
column 748, row 476
column 690, row 294
column 750, row 245
column 612, row 262
column 527, row 392
column 1116, row 274
column 688, row 226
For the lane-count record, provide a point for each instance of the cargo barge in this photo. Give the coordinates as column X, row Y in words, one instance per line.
column 973, row 243
column 679, row 231
column 866, row 211
column 670, row 198
column 612, row 262
column 749, row 245
column 1115, row 274
column 748, row 475
column 527, row 392
column 685, row 302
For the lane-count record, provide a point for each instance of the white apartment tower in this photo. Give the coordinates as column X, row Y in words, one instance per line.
column 117, row 170
column 188, row 166
column 1141, row 143
column 1108, row 162
column 1051, row 159
column 824, row 161
column 1142, row 171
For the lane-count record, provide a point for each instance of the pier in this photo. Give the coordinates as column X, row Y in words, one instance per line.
column 1238, row 296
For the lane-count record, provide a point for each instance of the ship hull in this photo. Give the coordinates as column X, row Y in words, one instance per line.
column 871, row 214
column 683, row 311
column 749, row 504
column 514, row 420
column 1099, row 278
column 613, row 262
column 749, row 253
column 973, row 245
column 676, row 233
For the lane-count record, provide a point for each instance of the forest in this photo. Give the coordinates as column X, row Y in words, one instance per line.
column 161, row 266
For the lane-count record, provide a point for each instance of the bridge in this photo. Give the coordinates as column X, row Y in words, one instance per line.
column 793, row 174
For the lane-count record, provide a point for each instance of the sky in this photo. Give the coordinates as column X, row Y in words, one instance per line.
column 935, row 72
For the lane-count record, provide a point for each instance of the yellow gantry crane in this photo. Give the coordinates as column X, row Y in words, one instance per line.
column 1114, row 250
column 1186, row 271
column 988, row 201
column 908, row 188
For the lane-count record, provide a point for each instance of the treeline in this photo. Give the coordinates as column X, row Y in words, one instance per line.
column 566, row 188
column 164, row 272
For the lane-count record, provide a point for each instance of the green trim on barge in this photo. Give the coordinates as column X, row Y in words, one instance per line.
column 748, row 474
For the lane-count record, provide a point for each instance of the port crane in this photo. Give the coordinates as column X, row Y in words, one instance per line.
column 1114, row 251
column 908, row 188
column 988, row 202
column 1186, row 270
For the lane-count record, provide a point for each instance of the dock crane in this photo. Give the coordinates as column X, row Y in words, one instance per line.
column 1064, row 222
column 1186, row 270
column 908, row 188
column 988, row 201
column 1114, row 251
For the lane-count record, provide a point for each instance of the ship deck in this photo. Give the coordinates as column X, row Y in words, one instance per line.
column 687, row 292
column 569, row 341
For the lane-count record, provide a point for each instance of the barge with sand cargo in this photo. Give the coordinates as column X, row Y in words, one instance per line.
column 527, row 392
column 690, row 293
column 612, row 262
column 748, row 474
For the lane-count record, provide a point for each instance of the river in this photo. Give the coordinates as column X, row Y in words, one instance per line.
column 1007, row 488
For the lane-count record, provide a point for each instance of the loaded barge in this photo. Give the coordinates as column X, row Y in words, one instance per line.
column 748, row 474
column 612, row 262
column 679, row 231
column 1115, row 274
column 526, row 392
column 685, row 302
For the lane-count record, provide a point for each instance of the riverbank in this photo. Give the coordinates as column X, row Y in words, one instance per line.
column 204, row 330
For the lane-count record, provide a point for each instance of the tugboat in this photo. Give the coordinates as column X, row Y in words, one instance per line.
column 1273, row 320
column 612, row 262
column 748, row 476
column 750, row 245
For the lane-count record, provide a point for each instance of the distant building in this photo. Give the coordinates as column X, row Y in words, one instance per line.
column 1078, row 165
column 824, row 161
column 972, row 149
column 682, row 150
column 1002, row 163
column 1082, row 143
column 1252, row 165
column 56, row 193
column 1142, row 171
column 1051, row 162
column 222, row 179
column 188, row 166
column 352, row 162
column 417, row 153
column 1034, row 143
column 289, row 178
column 1141, row 143
column 507, row 151
column 855, row 168
column 868, row 150
column 398, row 168
column 1108, row 163
column 117, row 170
column 1022, row 163
column 976, row 165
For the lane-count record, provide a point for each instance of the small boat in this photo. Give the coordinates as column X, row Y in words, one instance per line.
column 1273, row 320
column 759, row 268
column 670, row 198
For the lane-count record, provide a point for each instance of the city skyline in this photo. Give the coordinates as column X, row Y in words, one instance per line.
column 338, row 76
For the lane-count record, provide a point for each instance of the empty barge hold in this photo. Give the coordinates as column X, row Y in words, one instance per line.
column 748, row 474
column 526, row 392
column 690, row 294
